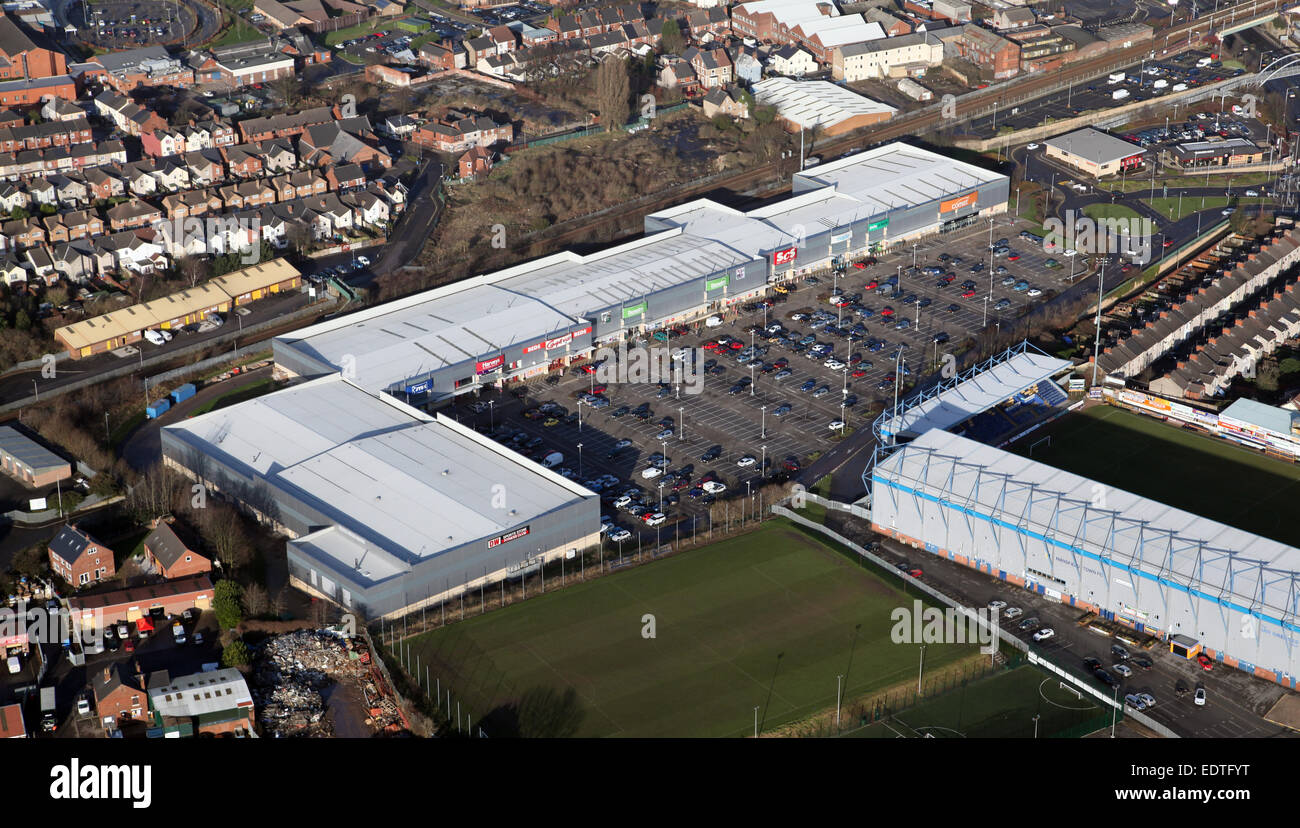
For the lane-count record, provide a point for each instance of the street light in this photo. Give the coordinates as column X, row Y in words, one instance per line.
column 839, row 681
column 579, row 459
column 763, row 408
column 492, row 415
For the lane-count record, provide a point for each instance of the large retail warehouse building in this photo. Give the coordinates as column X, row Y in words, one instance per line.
column 386, row 508
column 1200, row 585
column 695, row 259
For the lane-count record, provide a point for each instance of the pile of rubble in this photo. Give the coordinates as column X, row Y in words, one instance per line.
column 289, row 674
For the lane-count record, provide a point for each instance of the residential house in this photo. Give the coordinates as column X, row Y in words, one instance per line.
column 475, row 162
column 121, row 693
column 725, row 101
column 792, row 61
column 169, row 556
column 712, row 66
column 78, row 558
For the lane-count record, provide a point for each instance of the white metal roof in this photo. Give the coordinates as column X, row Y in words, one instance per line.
column 971, row 396
column 1156, row 539
column 213, row 692
column 408, row 484
column 897, row 175
column 815, row 103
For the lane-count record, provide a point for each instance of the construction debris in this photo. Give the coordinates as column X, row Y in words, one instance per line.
column 292, row 674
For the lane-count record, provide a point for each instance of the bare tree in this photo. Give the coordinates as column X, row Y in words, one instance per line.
column 256, row 600
column 612, row 92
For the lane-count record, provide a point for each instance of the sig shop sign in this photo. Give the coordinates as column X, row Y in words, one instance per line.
column 634, row 310
column 954, row 204
column 507, row 537
column 784, row 257
column 719, row 282
column 841, row 236
column 489, row 365
column 419, row 387
column 877, row 225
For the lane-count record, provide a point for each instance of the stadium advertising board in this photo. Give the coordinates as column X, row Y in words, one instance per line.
column 508, row 536
column 954, row 204
column 784, row 257
column 488, row 365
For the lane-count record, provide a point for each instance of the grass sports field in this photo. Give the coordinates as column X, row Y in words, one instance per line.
column 1002, row 706
column 765, row 620
column 1194, row 472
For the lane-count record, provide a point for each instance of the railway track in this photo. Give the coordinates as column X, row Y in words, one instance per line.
column 922, row 122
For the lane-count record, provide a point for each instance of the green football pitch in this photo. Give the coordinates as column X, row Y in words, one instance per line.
column 1190, row 471
column 1001, row 706
column 766, row 620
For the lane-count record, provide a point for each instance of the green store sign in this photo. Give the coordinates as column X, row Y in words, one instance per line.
column 720, row 281
column 634, row 310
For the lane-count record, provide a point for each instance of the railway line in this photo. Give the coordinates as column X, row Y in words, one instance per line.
column 607, row 225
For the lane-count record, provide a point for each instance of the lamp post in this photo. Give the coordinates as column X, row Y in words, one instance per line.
column 681, row 422
column 920, row 670
column 579, row 459
column 839, row 683
column 492, row 415
column 763, row 408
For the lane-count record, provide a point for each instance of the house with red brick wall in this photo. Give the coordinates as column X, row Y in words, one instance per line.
column 79, row 559
column 171, row 557
column 122, row 693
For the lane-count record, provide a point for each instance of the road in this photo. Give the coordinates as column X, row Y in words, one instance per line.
column 1237, row 702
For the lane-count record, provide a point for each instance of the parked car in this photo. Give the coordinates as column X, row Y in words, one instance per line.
column 1199, row 697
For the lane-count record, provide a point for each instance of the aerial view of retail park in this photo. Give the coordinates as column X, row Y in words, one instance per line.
column 803, row 369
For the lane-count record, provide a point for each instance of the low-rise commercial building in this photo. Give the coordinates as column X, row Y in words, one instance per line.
column 1094, row 152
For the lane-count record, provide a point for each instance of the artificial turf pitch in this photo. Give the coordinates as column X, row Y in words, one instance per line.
column 768, row 620
column 1000, row 706
column 1194, row 472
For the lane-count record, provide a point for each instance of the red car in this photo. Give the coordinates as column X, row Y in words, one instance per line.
column 858, row 374
column 886, row 311
column 873, row 284
column 736, row 346
column 1014, row 257
column 860, row 265
column 598, row 389
column 1205, row 661
column 710, row 346
column 967, row 294
column 1169, row 242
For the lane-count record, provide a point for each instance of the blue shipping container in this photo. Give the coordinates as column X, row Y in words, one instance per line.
column 183, row 393
column 156, row 409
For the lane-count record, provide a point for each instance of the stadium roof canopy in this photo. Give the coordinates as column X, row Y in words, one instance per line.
column 1278, row 420
column 973, row 392
column 1152, row 540
column 404, row 484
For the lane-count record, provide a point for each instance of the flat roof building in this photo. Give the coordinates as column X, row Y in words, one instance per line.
column 695, row 259
column 386, row 507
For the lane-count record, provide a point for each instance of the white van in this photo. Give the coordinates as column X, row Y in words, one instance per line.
column 1114, row 78
column 15, row 666
column 713, row 322
column 1119, row 94
column 553, row 459
column 154, row 337
column 1204, row 62
column 1160, row 84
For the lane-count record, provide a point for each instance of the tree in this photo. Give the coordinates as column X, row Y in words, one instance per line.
column 612, row 93
column 235, row 654
column 227, row 603
column 256, row 600
column 224, row 529
column 763, row 115
column 671, row 41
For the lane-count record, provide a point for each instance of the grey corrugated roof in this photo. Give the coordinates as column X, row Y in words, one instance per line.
column 28, row 451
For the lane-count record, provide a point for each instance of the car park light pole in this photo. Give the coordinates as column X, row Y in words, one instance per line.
column 492, row 415
column 763, row 408
column 681, row 423
column 751, row 379
column 579, row 459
